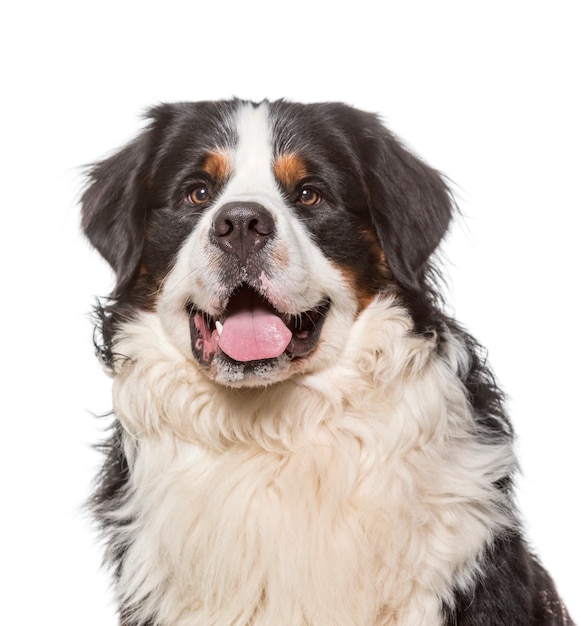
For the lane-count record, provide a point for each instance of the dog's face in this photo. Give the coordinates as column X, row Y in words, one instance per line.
column 258, row 233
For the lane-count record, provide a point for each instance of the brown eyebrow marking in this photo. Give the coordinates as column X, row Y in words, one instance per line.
column 217, row 165
column 290, row 169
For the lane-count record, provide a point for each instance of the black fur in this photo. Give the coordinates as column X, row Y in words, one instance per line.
column 109, row 494
column 515, row 590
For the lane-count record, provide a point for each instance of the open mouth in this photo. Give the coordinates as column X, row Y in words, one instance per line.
column 251, row 330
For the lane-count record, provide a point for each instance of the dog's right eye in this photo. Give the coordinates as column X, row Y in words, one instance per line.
column 309, row 197
column 199, row 194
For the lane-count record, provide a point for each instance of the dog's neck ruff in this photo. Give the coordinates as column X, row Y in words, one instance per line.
column 276, row 501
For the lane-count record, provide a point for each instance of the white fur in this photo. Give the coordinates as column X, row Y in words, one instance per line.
column 357, row 496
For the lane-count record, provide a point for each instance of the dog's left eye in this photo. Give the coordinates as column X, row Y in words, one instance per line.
column 199, row 194
column 309, row 196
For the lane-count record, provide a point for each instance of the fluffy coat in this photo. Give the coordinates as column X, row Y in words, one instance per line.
column 361, row 477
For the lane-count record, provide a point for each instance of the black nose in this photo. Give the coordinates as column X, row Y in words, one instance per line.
column 242, row 228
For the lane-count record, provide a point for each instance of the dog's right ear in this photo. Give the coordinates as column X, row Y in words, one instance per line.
column 113, row 208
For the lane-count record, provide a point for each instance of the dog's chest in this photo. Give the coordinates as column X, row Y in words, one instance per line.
column 321, row 535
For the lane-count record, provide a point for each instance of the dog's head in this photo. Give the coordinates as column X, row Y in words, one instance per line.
column 259, row 232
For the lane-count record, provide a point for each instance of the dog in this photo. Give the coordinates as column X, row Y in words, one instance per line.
column 302, row 435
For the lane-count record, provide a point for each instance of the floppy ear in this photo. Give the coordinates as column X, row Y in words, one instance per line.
column 113, row 209
column 410, row 207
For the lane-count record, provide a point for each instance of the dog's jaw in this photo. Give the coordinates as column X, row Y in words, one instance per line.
column 317, row 323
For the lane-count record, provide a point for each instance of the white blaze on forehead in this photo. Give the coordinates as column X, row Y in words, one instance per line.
column 252, row 177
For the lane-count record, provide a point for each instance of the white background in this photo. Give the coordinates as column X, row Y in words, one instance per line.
column 486, row 92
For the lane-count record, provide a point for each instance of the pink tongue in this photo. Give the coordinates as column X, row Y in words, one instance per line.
column 254, row 334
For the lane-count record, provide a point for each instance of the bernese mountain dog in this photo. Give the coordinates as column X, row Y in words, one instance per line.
column 302, row 435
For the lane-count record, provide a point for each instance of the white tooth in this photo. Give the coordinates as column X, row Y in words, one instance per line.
column 219, row 328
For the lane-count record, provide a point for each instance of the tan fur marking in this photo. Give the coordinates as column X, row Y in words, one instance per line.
column 381, row 260
column 217, row 164
column 365, row 291
column 362, row 294
column 289, row 169
column 280, row 255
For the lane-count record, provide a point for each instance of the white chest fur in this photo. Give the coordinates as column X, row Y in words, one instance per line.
column 357, row 498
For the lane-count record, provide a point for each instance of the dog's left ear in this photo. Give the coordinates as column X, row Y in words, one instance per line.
column 410, row 206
